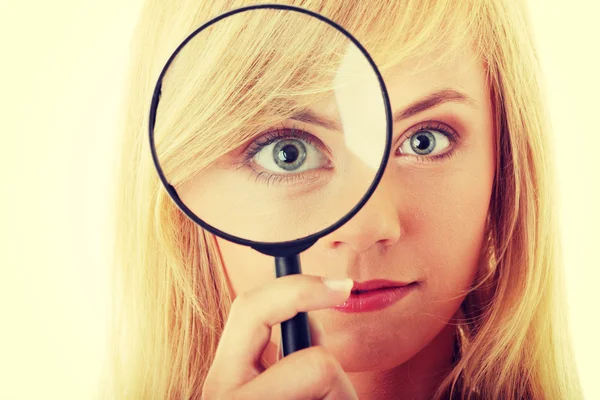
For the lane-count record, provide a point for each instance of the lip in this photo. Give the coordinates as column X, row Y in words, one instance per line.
column 377, row 284
column 375, row 295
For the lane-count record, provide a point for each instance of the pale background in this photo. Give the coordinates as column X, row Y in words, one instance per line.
column 62, row 69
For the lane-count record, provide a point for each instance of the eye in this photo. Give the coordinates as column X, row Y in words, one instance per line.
column 291, row 155
column 428, row 142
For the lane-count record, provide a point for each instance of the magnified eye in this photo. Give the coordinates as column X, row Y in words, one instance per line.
column 425, row 143
column 290, row 156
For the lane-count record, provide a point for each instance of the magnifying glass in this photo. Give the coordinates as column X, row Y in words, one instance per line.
column 270, row 126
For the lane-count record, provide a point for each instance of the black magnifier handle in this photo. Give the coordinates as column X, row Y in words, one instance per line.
column 295, row 333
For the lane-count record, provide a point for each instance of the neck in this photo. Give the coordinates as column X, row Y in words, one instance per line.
column 416, row 379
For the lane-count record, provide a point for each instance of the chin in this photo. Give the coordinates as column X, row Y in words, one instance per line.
column 359, row 352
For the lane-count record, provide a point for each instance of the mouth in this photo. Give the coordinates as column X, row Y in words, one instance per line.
column 375, row 295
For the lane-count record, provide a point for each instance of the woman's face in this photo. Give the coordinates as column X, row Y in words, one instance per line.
column 425, row 222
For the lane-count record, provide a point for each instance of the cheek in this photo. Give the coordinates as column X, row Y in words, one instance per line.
column 246, row 268
column 447, row 220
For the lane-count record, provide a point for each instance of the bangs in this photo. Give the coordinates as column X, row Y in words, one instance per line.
column 431, row 32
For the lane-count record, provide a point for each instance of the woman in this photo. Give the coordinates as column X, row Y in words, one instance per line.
column 464, row 213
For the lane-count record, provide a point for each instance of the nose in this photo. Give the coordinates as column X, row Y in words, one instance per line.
column 377, row 223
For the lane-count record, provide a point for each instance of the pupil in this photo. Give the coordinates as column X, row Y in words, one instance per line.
column 288, row 154
column 422, row 142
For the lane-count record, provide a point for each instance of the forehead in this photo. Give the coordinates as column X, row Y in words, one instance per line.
column 415, row 78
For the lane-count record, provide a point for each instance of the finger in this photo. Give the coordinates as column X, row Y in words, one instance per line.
column 307, row 374
column 248, row 328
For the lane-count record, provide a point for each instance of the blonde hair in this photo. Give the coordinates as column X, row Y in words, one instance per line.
column 171, row 294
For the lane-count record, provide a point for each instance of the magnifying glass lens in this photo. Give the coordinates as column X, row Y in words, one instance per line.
column 271, row 125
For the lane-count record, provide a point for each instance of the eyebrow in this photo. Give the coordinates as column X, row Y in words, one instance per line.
column 427, row 102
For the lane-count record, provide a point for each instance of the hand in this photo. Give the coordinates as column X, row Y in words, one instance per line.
column 312, row 373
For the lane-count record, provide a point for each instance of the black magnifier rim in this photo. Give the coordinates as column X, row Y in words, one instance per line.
column 296, row 245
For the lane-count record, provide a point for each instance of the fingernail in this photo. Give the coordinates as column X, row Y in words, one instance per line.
column 339, row 285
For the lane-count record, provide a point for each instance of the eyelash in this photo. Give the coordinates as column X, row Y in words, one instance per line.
column 436, row 126
column 279, row 134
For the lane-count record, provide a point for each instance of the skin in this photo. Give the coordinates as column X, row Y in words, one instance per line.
column 425, row 223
